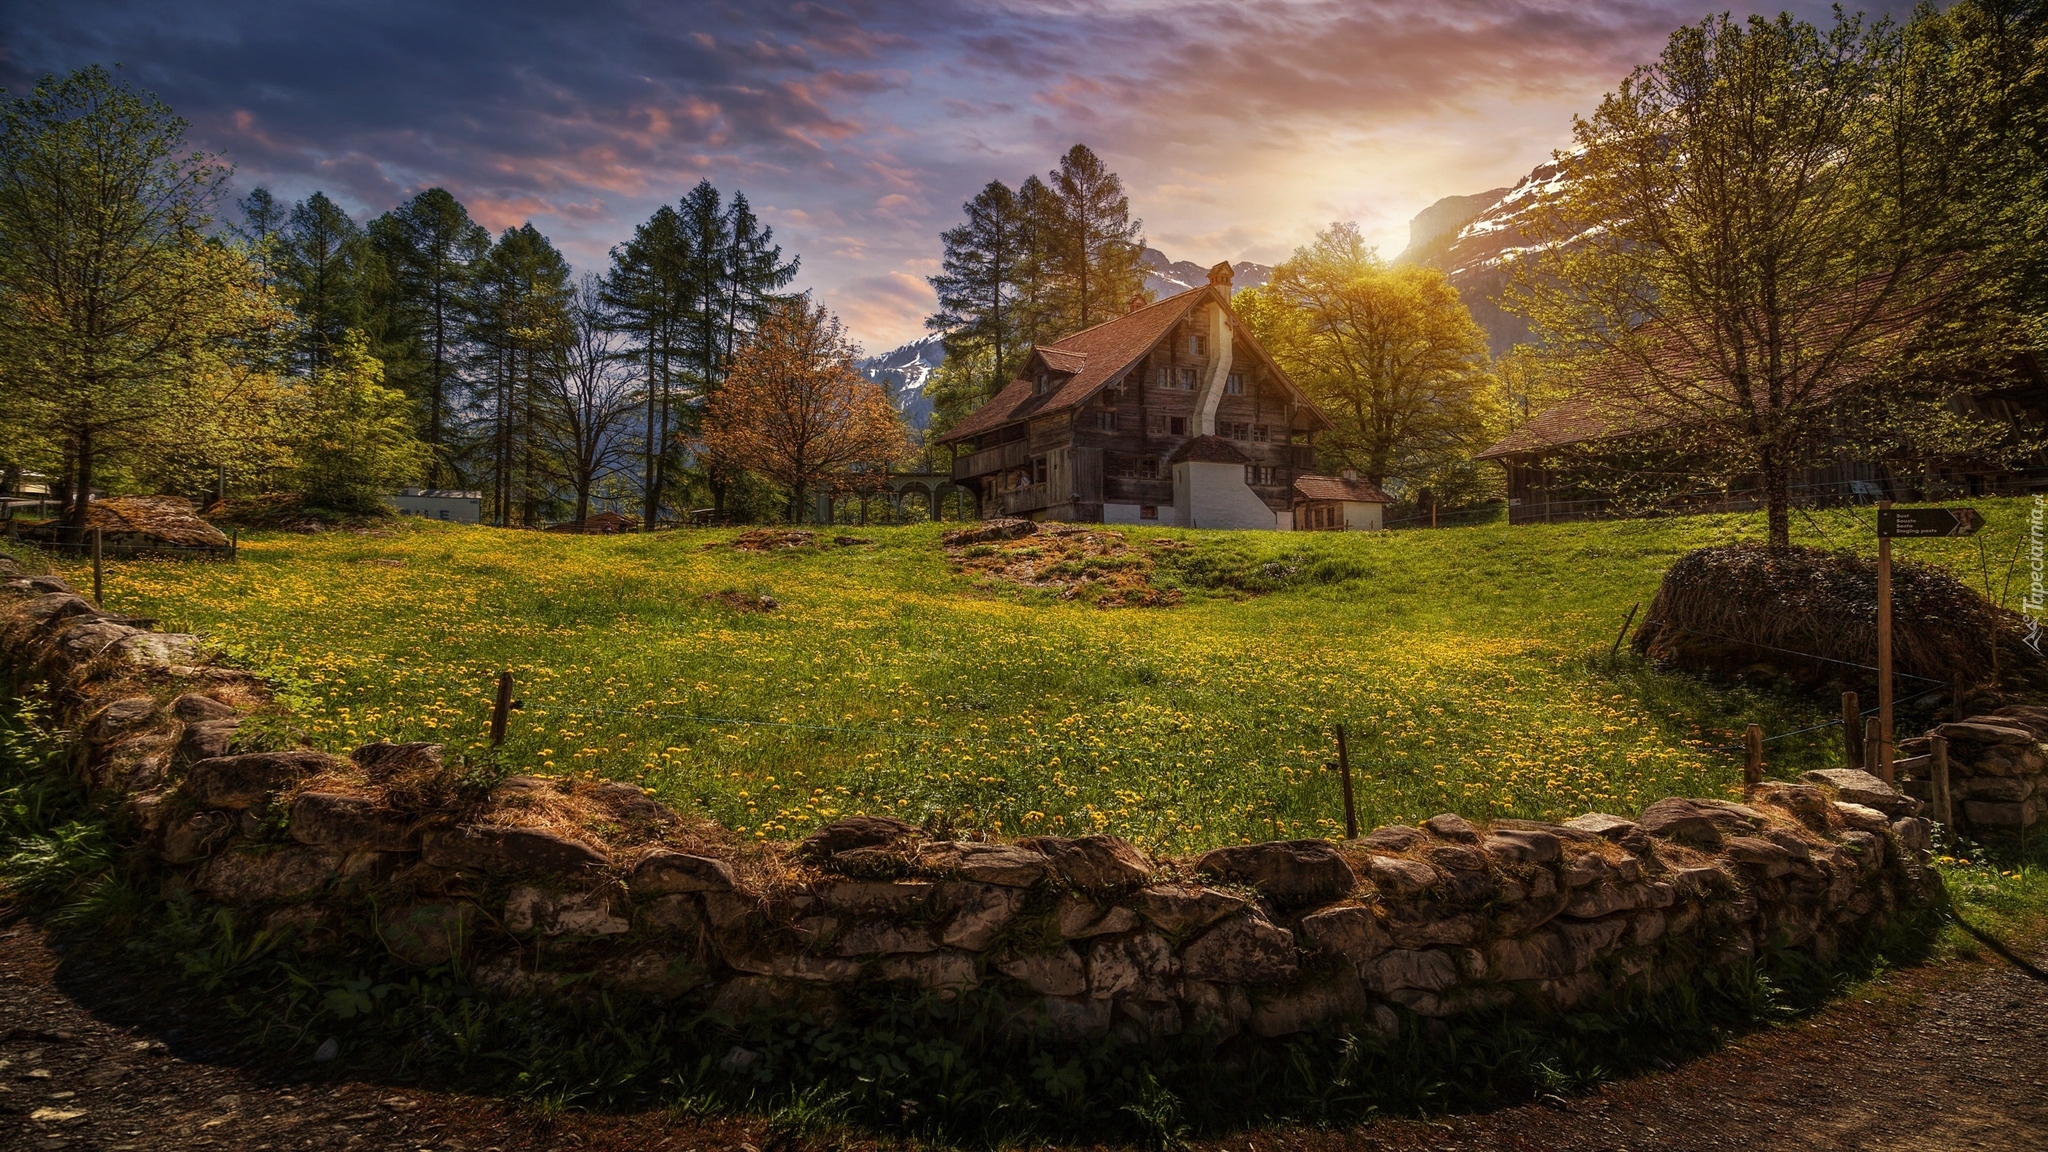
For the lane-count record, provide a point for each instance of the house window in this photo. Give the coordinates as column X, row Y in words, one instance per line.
column 1149, row 468
column 1259, row 433
column 1038, row 470
column 1114, row 393
column 1148, row 511
column 1176, row 425
column 1197, row 346
column 1187, row 380
column 1259, row 474
column 1105, row 420
column 1233, row 384
column 1238, row 431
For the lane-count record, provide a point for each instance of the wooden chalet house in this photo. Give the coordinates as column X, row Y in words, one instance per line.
column 1168, row 414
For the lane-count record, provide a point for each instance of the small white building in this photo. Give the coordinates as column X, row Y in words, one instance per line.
column 1338, row 504
column 452, row 505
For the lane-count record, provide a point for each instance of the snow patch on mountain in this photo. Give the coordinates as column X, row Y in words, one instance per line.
column 903, row 372
column 1165, row 277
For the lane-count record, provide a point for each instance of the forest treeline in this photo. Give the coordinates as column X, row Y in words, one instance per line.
column 155, row 337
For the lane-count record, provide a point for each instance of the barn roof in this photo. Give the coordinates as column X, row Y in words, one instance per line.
column 1093, row 358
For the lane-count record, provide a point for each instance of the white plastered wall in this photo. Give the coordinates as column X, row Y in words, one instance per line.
column 1207, row 495
column 1211, row 394
column 1360, row 516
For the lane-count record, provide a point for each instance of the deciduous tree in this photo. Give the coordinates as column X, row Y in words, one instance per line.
column 794, row 411
column 1389, row 353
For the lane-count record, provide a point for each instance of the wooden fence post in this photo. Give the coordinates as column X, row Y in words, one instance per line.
column 1873, row 744
column 1615, row 650
column 1956, row 699
column 1344, row 771
column 1944, row 805
column 501, row 709
column 1753, row 763
column 98, row 601
column 235, row 544
column 1852, row 731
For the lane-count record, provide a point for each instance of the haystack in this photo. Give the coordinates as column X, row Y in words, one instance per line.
column 1811, row 615
column 141, row 523
column 154, row 519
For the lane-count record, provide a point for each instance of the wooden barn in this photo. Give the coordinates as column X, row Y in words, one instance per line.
column 1169, row 414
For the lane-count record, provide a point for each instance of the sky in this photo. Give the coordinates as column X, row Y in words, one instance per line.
column 858, row 128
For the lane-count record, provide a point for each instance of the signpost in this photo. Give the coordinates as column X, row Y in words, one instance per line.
column 1907, row 523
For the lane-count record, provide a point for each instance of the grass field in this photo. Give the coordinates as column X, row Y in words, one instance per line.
column 1469, row 665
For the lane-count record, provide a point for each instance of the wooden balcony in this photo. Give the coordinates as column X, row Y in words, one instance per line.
column 1019, row 501
column 1012, row 455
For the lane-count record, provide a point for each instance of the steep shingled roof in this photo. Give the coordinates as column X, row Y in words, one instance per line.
column 1094, row 358
column 1338, row 488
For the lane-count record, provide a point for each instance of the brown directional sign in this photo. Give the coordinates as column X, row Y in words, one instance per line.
column 1898, row 523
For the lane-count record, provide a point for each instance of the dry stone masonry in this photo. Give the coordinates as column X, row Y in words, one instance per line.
column 1998, row 767
column 538, row 886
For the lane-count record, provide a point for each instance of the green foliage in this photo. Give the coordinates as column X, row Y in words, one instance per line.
column 354, row 437
column 1389, row 353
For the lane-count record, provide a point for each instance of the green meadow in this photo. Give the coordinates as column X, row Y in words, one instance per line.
column 1469, row 667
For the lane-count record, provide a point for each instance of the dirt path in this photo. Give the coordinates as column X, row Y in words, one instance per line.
column 1940, row 1061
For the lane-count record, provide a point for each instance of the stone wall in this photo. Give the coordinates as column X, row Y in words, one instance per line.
column 1998, row 768
column 526, row 883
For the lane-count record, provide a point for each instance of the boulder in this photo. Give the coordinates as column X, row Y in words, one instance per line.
column 192, row 708
column 1425, row 970
column 679, row 912
column 1539, row 956
column 427, row 934
column 947, row 972
column 251, row 779
column 976, row 913
column 267, row 877
column 1092, row 862
column 884, row 937
column 983, row 863
column 1293, row 1010
column 876, row 897
column 1806, row 803
column 1756, row 852
column 1393, row 838
column 194, row 836
column 1353, row 932
column 853, row 832
column 529, row 909
column 350, row 824
column 1177, row 908
column 989, row 532
column 1515, row 846
column 1215, row 1010
column 1683, row 821
column 1602, row 825
column 1405, row 878
column 661, row 872
column 1999, row 814
column 496, row 848
column 207, row 739
column 1453, row 827
column 1458, row 858
column 1049, row 973
column 1285, row 871
column 1861, row 818
column 630, row 804
column 1422, row 923
column 1244, row 950
column 1985, row 730
column 1078, row 918
column 120, row 718
column 384, row 760
column 1141, row 967
column 1856, row 786
column 167, row 650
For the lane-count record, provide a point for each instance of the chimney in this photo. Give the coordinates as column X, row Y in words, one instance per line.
column 1221, row 275
column 1137, row 301
column 1349, row 473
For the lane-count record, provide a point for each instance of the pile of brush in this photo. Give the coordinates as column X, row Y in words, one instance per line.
column 1811, row 616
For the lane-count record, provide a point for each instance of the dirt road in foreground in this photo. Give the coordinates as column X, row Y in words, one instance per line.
column 1949, row 1060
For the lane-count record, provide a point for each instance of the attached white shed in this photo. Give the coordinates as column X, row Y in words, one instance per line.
column 1338, row 504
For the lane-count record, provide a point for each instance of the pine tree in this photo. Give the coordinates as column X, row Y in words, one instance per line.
column 1095, row 245
column 322, row 266
column 432, row 248
column 644, row 294
column 519, row 325
column 977, row 288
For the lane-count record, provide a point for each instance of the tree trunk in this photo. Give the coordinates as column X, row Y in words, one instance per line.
column 1777, row 482
column 81, row 500
column 796, row 504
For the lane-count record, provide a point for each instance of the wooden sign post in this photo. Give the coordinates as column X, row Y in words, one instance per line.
column 1344, row 770
column 1907, row 522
